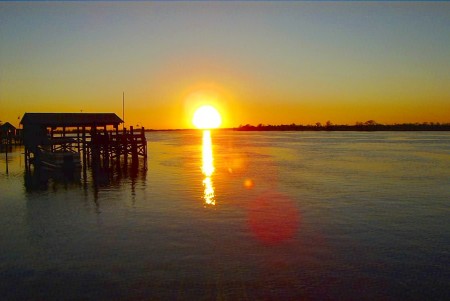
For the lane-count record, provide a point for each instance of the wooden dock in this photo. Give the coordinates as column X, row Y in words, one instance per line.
column 94, row 137
column 112, row 148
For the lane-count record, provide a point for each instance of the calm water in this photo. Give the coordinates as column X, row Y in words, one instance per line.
column 268, row 216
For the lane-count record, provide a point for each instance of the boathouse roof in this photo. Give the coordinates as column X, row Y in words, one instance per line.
column 7, row 126
column 70, row 119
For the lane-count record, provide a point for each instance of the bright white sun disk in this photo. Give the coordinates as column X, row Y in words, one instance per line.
column 206, row 117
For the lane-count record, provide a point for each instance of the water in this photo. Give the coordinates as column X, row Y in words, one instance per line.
column 261, row 215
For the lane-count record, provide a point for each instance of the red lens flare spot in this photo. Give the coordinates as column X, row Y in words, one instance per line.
column 273, row 218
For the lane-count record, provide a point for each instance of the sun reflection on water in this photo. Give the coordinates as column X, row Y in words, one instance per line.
column 208, row 169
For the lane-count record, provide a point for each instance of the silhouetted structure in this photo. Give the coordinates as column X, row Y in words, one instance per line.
column 9, row 134
column 58, row 139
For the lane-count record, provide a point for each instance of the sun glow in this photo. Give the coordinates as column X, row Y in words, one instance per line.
column 206, row 117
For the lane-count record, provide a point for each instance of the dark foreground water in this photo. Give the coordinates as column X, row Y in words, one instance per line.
column 260, row 216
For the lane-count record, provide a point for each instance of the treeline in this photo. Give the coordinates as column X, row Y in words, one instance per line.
column 370, row 125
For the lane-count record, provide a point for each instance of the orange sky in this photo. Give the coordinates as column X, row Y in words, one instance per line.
column 257, row 62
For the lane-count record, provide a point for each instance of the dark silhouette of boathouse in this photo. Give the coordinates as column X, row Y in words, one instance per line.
column 94, row 137
column 9, row 134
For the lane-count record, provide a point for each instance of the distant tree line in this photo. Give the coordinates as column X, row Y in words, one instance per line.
column 370, row 125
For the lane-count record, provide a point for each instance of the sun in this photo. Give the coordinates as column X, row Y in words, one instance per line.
column 206, row 117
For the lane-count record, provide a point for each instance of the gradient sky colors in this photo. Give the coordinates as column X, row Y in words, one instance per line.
column 257, row 62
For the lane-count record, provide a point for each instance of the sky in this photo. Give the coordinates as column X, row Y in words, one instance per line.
column 257, row 62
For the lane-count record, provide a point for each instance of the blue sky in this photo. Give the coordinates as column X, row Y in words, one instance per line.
column 259, row 62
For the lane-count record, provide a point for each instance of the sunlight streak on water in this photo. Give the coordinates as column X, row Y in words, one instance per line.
column 208, row 169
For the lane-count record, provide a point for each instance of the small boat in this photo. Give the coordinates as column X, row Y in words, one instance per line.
column 62, row 160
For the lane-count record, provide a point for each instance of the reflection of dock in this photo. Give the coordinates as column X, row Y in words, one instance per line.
column 61, row 140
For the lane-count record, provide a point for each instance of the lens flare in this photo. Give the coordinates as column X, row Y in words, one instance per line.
column 273, row 218
column 248, row 183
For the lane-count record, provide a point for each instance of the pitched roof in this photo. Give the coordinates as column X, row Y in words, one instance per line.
column 7, row 125
column 70, row 119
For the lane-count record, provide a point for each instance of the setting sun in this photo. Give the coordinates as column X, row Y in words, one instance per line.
column 206, row 117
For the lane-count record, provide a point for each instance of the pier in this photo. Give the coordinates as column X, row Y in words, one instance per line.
column 71, row 140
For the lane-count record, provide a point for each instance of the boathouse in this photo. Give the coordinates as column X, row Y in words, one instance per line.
column 9, row 134
column 95, row 136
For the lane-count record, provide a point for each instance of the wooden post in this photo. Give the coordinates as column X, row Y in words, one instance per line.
column 84, row 146
column 144, row 143
column 78, row 139
column 134, row 153
column 106, row 148
column 88, row 153
column 117, row 146
column 125, row 146
column 6, row 152
column 94, row 146
column 51, row 138
column 26, row 159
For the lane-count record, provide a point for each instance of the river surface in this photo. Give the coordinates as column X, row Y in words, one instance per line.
column 227, row 215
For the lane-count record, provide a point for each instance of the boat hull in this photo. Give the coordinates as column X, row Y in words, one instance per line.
column 60, row 160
